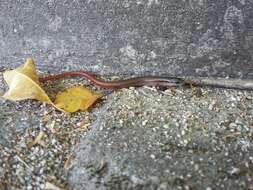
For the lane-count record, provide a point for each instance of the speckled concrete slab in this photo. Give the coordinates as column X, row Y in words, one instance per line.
column 145, row 139
column 177, row 37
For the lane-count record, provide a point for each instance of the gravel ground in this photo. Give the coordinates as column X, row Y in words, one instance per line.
column 177, row 138
column 25, row 165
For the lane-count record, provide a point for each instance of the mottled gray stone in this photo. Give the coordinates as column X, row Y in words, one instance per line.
column 144, row 140
column 196, row 37
column 13, row 121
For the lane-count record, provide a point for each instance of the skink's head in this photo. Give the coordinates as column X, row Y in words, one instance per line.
column 159, row 81
column 170, row 81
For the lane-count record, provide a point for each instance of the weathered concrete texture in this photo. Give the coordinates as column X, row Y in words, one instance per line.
column 147, row 140
column 201, row 37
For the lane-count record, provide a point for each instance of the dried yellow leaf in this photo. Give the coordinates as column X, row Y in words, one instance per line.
column 76, row 98
column 24, row 84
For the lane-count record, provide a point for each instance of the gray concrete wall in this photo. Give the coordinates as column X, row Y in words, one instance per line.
column 196, row 37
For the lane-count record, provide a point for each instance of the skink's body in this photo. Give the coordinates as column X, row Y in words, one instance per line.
column 137, row 81
column 155, row 81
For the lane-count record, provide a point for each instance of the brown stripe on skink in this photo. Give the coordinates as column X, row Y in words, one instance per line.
column 136, row 82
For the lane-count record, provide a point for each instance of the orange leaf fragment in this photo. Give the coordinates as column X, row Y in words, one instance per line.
column 36, row 140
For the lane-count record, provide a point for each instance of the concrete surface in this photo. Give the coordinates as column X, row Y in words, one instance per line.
column 152, row 140
column 178, row 37
column 129, row 145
